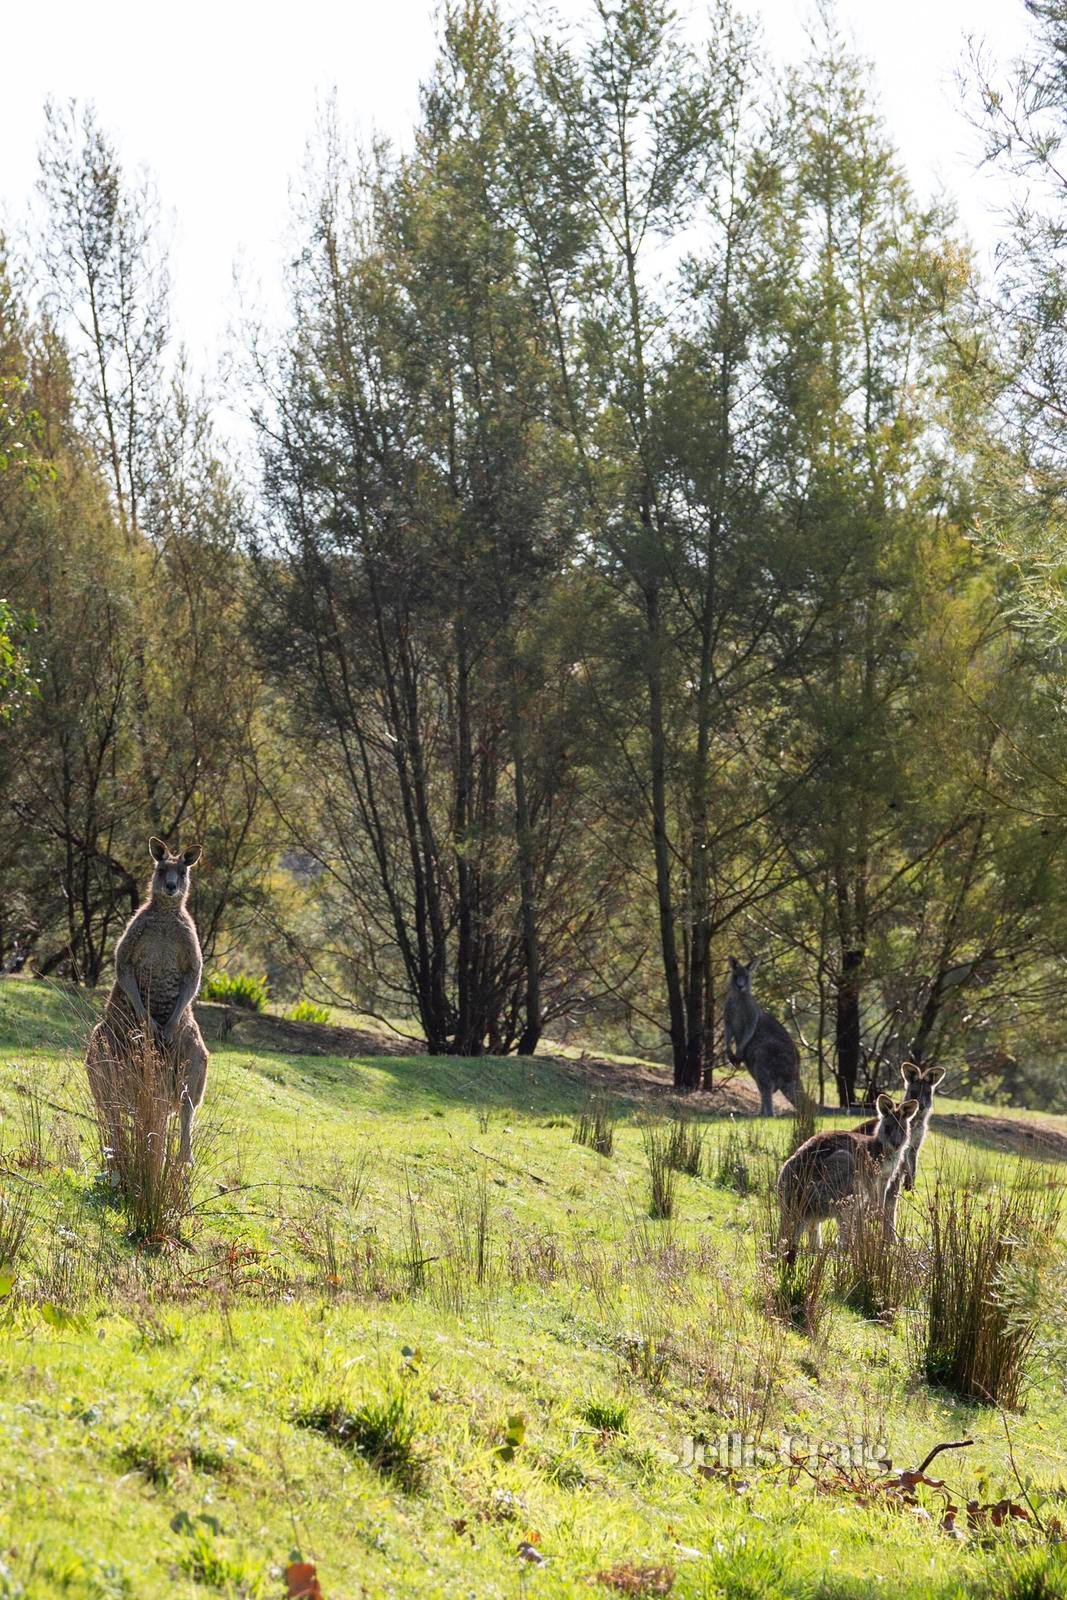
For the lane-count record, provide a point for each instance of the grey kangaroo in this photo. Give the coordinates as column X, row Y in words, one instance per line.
column 833, row 1173
column 158, row 967
column 759, row 1040
column 919, row 1084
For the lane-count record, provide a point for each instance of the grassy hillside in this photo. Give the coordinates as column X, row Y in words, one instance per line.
column 387, row 1259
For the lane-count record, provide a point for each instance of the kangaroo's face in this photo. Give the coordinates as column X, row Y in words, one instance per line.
column 896, row 1121
column 920, row 1083
column 741, row 976
column 170, row 881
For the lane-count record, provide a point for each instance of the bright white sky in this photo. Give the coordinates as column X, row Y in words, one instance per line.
column 218, row 100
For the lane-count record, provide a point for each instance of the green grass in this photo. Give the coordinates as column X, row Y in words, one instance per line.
column 391, row 1262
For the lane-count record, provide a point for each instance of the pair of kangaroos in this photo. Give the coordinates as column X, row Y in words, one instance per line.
column 149, row 1012
column 835, row 1173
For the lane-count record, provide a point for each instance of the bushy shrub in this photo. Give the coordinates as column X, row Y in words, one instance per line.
column 307, row 1011
column 237, row 989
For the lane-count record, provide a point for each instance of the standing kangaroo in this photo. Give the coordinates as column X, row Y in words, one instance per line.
column 919, row 1083
column 759, row 1040
column 831, row 1171
column 158, row 967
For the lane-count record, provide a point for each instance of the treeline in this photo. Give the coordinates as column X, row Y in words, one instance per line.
column 632, row 572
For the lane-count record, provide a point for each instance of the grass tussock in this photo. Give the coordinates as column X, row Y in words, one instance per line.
column 803, row 1123
column 732, row 1169
column 606, row 1416
column 685, row 1146
column 794, row 1279
column 383, row 1432
column 975, row 1344
column 16, row 1221
column 595, row 1127
column 876, row 1271
column 662, row 1175
column 139, row 1139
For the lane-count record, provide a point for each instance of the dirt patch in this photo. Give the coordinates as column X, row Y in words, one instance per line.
column 635, row 1080
column 735, row 1096
column 1038, row 1139
column 259, row 1029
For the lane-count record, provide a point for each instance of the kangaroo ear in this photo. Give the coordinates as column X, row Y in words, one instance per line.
column 754, row 963
column 910, row 1072
column 192, row 855
column 935, row 1075
column 884, row 1104
column 733, row 963
column 908, row 1109
column 157, row 849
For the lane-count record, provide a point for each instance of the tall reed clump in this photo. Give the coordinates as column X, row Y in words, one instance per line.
column 685, row 1146
column 595, row 1127
column 976, row 1345
column 16, row 1220
column 794, row 1279
column 876, row 1271
column 802, row 1123
column 139, row 1136
column 662, row 1176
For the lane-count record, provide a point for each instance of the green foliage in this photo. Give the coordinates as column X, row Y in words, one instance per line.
column 240, row 989
column 307, row 1011
column 607, row 1416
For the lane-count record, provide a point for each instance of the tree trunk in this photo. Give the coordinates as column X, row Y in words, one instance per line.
column 531, row 1032
column 661, row 847
column 848, row 1026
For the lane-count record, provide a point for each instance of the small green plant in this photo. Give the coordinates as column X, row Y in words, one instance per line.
column 202, row 1560
column 514, row 1437
column 731, row 1167
column 383, row 1432
column 595, row 1128
column 685, row 1146
column 237, row 989
column 661, row 1174
column 606, row 1416
column 307, row 1011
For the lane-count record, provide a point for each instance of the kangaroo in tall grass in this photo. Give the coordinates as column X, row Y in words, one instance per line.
column 833, row 1174
column 920, row 1084
column 158, row 968
column 758, row 1040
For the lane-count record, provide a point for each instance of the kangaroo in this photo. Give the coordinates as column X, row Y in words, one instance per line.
column 759, row 1040
column 831, row 1170
column 158, row 967
column 920, row 1083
